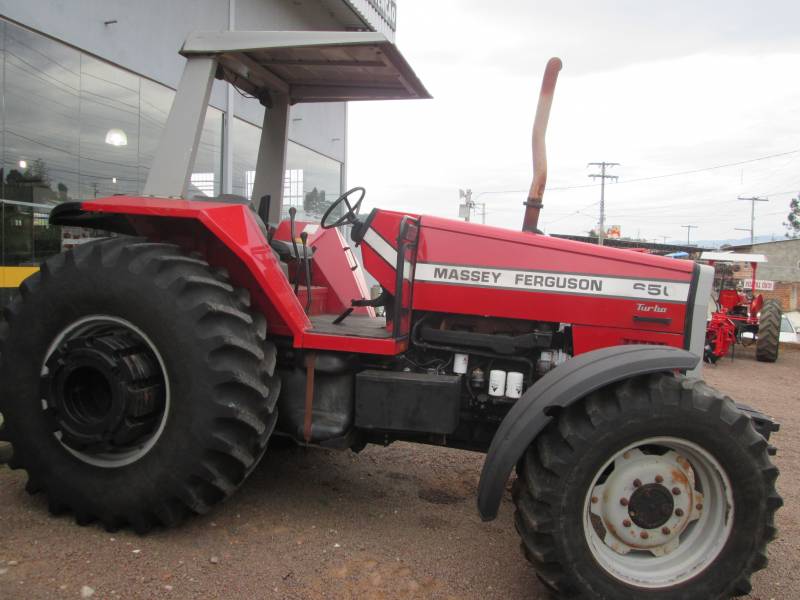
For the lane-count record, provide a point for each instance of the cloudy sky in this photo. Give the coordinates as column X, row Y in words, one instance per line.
column 662, row 88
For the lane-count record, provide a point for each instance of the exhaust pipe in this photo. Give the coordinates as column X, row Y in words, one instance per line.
column 534, row 202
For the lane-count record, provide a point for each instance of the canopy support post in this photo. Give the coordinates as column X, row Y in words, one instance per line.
column 271, row 163
column 174, row 158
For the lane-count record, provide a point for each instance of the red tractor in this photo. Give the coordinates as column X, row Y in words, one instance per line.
column 144, row 376
column 743, row 318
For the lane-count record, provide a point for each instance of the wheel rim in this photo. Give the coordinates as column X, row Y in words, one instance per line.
column 105, row 391
column 658, row 512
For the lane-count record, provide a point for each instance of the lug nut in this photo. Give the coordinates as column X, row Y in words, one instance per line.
column 665, row 530
column 594, row 499
column 644, row 535
column 637, row 482
column 659, row 479
column 626, row 523
column 676, row 491
column 623, row 501
column 678, row 512
column 699, row 507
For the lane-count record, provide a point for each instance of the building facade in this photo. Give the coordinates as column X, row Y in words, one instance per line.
column 779, row 277
column 86, row 89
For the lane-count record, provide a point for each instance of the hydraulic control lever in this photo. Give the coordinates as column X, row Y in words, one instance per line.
column 292, row 213
column 307, row 268
column 534, row 202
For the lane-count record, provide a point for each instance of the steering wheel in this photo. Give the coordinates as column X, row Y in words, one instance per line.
column 350, row 216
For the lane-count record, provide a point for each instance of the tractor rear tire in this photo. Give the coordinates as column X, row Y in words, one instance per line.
column 198, row 393
column 584, row 464
column 769, row 331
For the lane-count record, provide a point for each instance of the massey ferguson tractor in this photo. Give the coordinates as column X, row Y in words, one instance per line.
column 741, row 318
column 144, row 375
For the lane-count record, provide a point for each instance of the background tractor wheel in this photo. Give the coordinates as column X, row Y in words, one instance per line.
column 138, row 387
column 769, row 330
column 657, row 486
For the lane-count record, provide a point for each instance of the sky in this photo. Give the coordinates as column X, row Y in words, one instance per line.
column 661, row 88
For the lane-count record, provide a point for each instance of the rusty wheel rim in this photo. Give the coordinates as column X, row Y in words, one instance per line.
column 658, row 512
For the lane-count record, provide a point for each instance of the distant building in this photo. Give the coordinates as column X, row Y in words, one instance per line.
column 779, row 277
column 639, row 245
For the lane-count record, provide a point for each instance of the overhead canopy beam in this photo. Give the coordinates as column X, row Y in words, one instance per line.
column 309, row 66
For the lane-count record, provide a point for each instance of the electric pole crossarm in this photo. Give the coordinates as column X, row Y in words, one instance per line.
column 752, row 200
column 689, row 233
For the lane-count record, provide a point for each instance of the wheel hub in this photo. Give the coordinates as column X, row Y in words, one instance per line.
column 651, row 506
column 646, row 502
column 103, row 392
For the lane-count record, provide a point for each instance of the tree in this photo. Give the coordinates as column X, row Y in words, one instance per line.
column 315, row 203
column 792, row 222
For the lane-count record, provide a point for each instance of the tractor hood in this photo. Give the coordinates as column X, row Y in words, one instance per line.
column 606, row 294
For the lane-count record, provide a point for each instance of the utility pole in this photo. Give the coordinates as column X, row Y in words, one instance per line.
column 602, row 175
column 752, row 200
column 465, row 210
column 689, row 233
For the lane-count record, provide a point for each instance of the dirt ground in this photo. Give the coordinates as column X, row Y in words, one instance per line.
column 397, row 522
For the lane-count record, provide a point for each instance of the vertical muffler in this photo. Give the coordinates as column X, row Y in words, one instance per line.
column 534, row 202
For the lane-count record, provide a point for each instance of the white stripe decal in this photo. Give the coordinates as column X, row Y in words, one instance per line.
column 381, row 246
column 373, row 239
column 565, row 283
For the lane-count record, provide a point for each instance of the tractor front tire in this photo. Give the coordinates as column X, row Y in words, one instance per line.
column 137, row 385
column 769, row 331
column 655, row 487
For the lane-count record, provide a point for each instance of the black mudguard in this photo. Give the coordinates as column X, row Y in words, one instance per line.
column 72, row 214
column 561, row 387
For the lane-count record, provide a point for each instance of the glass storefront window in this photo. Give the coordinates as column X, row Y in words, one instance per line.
column 109, row 121
column 321, row 180
column 75, row 127
column 41, row 118
column 154, row 105
column 311, row 183
column 206, row 179
column 245, row 154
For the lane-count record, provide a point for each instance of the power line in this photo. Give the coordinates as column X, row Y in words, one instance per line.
column 577, row 212
column 665, row 175
column 602, row 175
column 678, row 173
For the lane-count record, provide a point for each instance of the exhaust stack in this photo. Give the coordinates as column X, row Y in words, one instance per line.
column 534, row 202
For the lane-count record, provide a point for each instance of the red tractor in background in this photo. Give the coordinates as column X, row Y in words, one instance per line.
column 741, row 317
column 144, row 376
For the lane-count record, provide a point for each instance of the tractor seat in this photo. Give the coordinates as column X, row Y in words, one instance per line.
column 285, row 250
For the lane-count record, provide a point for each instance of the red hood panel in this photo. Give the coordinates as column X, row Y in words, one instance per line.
column 475, row 269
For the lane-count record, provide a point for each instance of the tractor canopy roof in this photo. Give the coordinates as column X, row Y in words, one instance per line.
column 733, row 257
column 309, row 66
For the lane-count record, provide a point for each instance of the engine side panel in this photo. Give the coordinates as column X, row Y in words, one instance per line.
column 610, row 296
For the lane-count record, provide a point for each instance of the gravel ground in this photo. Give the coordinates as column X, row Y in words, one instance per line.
column 397, row 522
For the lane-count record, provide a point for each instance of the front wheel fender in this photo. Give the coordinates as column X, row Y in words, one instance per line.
column 564, row 385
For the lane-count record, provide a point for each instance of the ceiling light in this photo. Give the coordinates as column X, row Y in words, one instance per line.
column 113, row 180
column 116, row 137
column 23, row 164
